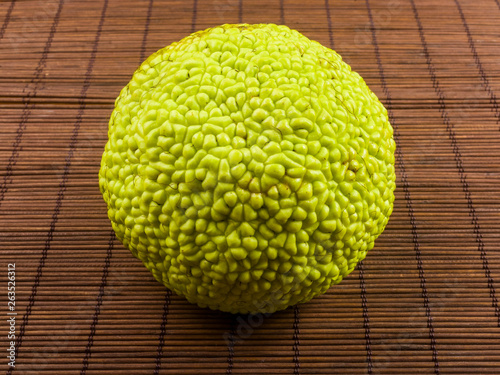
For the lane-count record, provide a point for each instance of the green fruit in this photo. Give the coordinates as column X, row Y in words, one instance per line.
column 248, row 168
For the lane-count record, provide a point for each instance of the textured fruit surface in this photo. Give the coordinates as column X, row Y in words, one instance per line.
column 248, row 167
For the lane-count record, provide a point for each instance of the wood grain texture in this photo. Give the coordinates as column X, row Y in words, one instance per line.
column 424, row 301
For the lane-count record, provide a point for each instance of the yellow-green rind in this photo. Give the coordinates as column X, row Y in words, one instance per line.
column 248, row 167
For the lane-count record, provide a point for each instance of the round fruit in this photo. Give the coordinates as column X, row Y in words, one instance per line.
column 248, row 167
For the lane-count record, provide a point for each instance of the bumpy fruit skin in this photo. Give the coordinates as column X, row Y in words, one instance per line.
column 248, row 168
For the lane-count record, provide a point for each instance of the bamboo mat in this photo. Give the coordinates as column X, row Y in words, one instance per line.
column 425, row 300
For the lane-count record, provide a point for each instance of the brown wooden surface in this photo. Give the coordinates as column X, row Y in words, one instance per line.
column 424, row 301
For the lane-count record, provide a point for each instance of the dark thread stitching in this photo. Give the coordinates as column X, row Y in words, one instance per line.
column 195, row 14
column 406, row 189
column 282, row 12
column 296, row 340
column 458, row 160
column 146, row 31
column 163, row 329
column 329, row 18
column 230, row 345
column 366, row 318
column 62, row 186
column 479, row 65
column 97, row 309
column 28, row 106
column 7, row 19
